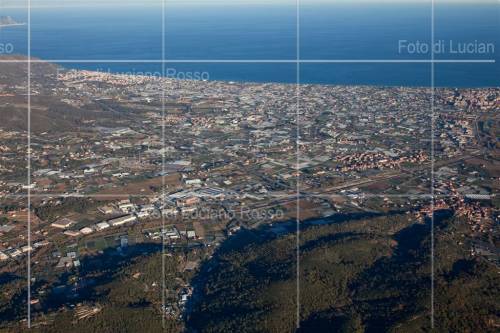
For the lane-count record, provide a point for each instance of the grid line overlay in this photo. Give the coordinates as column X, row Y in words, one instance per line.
column 163, row 162
column 298, row 61
column 29, row 168
column 277, row 196
column 433, row 156
column 256, row 61
column 298, row 166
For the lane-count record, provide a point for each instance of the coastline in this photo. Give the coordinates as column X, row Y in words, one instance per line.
column 20, row 58
column 292, row 84
column 12, row 25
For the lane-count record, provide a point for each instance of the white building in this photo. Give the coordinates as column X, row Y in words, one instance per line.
column 102, row 225
column 122, row 220
column 86, row 231
column 63, row 223
column 72, row 233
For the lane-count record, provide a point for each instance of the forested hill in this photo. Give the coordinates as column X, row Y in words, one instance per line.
column 370, row 275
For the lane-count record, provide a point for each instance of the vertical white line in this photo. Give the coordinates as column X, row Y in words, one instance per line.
column 29, row 165
column 1, row 7
column 298, row 163
column 433, row 124
column 163, row 300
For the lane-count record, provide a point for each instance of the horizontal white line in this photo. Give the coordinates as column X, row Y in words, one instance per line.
column 253, row 61
column 272, row 197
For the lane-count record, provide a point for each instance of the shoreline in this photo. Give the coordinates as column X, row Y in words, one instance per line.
column 12, row 25
column 20, row 58
column 293, row 84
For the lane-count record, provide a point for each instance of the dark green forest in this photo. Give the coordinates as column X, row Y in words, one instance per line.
column 371, row 275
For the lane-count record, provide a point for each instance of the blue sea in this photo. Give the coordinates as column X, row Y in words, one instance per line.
column 269, row 32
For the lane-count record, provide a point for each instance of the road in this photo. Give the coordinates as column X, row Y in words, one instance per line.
column 390, row 174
